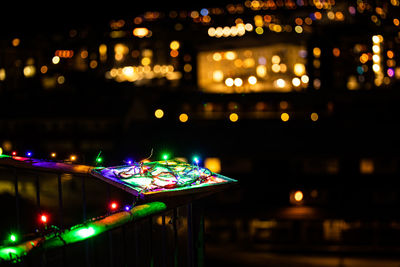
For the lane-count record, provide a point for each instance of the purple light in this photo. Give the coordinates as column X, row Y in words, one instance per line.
column 352, row 10
column 129, row 162
column 127, row 208
column 390, row 72
column 29, row 153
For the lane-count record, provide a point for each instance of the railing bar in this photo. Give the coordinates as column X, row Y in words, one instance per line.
column 190, row 234
column 87, row 255
column 164, row 240
column 136, row 240
column 17, row 204
column 175, row 229
column 124, row 250
column 110, row 248
column 151, row 241
column 60, row 201
column 37, row 184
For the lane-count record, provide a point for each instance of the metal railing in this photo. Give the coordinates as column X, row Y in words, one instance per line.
column 173, row 237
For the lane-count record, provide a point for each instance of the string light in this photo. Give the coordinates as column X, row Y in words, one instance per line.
column 113, row 205
column 13, row 238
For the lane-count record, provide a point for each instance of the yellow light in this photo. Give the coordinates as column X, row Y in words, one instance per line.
column 218, row 76
column 213, row 164
column 375, row 39
column 296, row 82
column 275, row 59
column 284, row 116
column 261, row 70
column 183, row 117
column 140, row 32
column 259, row 30
column 145, row 61
column 217, row 56
column 238, row 82
column 298, row 196
column 317, row 52
column 187, row 67
column 376, row 48
column 299, row 69
column 376, row 58
column 159, row 113
column 376, row 67
column 174, row 45
column 1, row 151
column 72, row 157
column 55, row 59
column 276, row 68
column 233, row 117
column 252, row 80
column 314, row 116
column 248, row 27
column 211, row 32
column 53, row 155
column 230, row 55
column 364, row 58
column 305, row 79
column 280, row 83
column 102, row 49
column 29, row 71
column 2, row 74
column 298, row 29
column 229, row 82
column 15, row 42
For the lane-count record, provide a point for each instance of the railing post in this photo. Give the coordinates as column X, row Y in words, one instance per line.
column 151, row 241
column 198, row 228
column 175, row 229
column 87, row 256
column 189, row 235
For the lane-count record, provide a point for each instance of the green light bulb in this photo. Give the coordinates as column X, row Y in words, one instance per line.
column 165, row 156
column 99, row 160
column 13, row 238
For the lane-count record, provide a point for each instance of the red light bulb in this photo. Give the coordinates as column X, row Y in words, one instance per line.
column 114, row 205
column 43, row 218
column 14, row 153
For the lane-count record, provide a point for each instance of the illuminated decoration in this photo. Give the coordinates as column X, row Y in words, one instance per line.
column 72, row 157
column 166, row 176
column 13, row 238
column 248, row 70
column 53, row 155
column 44, row 218
column 140, row 32
column 298, row 196
column 80, row 232
column 64, row 53
column 113, row 205
column 377, row 66
column 28, row 153
column 14, row 153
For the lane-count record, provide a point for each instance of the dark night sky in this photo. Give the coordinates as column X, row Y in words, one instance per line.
column 36, row 16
